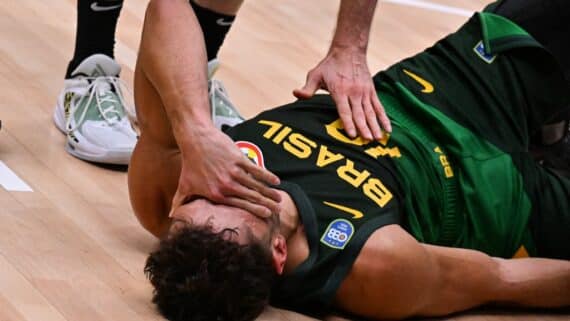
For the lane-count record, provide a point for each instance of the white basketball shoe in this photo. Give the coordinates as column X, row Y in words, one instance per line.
column 224, row 112
column 92, row 112
column 213, row 67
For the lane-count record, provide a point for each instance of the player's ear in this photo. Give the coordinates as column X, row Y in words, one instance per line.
column 279, row 253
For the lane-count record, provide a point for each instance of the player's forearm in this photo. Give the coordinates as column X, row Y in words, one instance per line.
column 173, row 57
column 461, row 279
column 535, row 282
column 470, row 278
column 353, row 26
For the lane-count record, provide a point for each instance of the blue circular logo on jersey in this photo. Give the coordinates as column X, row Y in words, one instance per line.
column 338, row 234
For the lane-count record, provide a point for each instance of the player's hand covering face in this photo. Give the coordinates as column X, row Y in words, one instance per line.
column 202, row 212
column 345, row 75
column 214, row 168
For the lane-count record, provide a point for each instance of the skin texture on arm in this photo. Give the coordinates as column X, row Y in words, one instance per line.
column 344, row 73
column 396, row 277
column 173, row 60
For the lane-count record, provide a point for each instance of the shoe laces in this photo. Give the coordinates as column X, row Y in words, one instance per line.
column 109, row 106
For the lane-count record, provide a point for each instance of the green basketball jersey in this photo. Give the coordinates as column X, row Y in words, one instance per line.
column 344, row 189
column 449, row 173
column 472, row 99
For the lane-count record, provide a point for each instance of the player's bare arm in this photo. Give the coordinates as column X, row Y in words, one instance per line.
column 426, row 280
column 219, row 171
column 344, row 73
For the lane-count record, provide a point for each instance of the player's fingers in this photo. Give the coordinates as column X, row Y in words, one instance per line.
column 260, row 173
column 257, row 196
column 359, row 117
column 265, row 195
column 371, row 118
column 381, row 112
column 345, row 114
column 312, row 84
column 255, row 209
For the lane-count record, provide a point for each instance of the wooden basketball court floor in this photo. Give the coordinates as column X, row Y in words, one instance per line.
column 70, row 247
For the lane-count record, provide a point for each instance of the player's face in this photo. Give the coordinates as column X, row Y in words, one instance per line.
column 221, row 217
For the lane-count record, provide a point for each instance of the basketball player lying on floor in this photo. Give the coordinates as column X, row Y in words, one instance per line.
column 423, row 222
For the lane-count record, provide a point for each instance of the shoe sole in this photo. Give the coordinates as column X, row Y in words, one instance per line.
column 106, row 157
column 113, row 158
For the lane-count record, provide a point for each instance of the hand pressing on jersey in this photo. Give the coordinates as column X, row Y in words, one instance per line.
column 344, row 73
column 214, row 168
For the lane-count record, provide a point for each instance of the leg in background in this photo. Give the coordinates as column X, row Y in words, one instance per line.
column 95, row 33
column 547, row 22
column 216, row 18
column 91, row 109
column 549, row 222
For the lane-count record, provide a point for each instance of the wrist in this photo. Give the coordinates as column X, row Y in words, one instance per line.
column 187, row 113
column 340, row 48
column 190, row 134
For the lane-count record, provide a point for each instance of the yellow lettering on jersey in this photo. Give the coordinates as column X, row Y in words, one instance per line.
column 333, row 129
column 326, row 158
column 302, row 147
column 350, row 175
column 282, row 134
column 385, row 138
column 299, row 145
column 448, row 172
column 377, row 192
column 446, row 167
column 393, row 152
column 273, row 128
column 521, row 253
column 444, row 162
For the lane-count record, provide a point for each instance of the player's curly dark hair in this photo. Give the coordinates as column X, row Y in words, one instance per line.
column 201, row 275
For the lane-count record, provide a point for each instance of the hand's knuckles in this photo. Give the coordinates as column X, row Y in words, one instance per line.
column 234, row 172
column 228, row 187
column 354, row 89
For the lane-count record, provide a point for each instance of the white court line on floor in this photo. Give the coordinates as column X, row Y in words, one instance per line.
column 10, row 181
column 433, row 6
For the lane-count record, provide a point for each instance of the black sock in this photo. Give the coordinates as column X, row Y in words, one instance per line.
column 96, row 24
column 215, row 26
